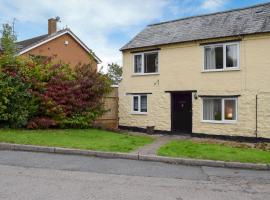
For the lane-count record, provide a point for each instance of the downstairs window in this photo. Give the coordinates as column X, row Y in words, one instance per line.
column 139, row 104
column 223, row 110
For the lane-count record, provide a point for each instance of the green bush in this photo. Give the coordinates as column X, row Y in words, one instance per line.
column 17, row 105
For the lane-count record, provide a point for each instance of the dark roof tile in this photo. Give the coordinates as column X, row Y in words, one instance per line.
column 29, row 42
column 255, row 19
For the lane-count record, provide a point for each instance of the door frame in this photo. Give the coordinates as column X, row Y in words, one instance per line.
column 172, row 105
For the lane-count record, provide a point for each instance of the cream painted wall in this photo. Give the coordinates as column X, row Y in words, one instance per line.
column 180, row 68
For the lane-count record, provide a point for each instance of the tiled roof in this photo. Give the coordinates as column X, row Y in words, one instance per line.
column 28, row 44
column 251, row 20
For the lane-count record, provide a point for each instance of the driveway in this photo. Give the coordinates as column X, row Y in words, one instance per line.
column 25, row 176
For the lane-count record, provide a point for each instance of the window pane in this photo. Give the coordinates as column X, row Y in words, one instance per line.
column 208, row 58
column 213, row 57
column 231, row 55
column 135, row 103
column 138, row 63
column 150, row 62
column 230, row 110
column 219, row 57
column 212, row 109
column 143, row 103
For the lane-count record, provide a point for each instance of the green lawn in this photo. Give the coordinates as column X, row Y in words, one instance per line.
column 91, row 139
column 190, row 149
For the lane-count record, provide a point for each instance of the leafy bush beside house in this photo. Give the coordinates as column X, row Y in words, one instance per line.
column 43, row 94
column 16, row 103
column 72, row 100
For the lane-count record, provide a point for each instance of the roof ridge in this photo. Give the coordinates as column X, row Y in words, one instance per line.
column 209, row 14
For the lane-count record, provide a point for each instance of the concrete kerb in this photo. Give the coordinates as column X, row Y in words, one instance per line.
column 181, row 161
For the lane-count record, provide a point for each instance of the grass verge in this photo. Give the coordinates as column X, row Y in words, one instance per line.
column 191, row 149
column 90, row 139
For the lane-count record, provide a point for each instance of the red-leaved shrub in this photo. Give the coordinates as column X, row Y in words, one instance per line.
column 41, row 123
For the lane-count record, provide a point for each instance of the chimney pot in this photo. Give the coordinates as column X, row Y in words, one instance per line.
column 52, row 26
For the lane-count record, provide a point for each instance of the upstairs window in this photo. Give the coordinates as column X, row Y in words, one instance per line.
column 146, row 63
column 139, row 104
column 220, row 110
column 221, row 57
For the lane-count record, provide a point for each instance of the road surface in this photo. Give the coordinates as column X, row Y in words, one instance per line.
column 40, row 176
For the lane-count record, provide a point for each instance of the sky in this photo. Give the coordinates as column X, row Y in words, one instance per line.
column 105, row 25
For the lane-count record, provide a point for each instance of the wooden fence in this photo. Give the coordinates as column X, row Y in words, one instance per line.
column 110, row 119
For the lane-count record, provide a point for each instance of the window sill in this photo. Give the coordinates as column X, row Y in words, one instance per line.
column 138, row 113
column 221, row 70
column 220, row 122
column 145, row 74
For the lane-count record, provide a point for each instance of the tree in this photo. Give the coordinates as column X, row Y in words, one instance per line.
column 8, row 44
column 16, row 102
column 115, row 73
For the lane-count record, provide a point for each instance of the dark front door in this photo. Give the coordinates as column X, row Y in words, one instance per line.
column 181, row 112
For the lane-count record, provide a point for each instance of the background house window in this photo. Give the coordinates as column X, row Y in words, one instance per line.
column 146, row 63
column 221, row 56
column 219, row 109
column 139, row 104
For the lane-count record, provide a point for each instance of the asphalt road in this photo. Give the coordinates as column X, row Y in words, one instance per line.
column 40, row 176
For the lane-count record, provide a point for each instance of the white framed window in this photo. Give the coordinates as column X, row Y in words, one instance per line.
column 139, row 104
column 219, row 110
column 221, row 57
column 146, row 63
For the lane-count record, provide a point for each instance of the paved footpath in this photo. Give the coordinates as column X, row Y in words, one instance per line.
column 151, row 149
column 27, row 176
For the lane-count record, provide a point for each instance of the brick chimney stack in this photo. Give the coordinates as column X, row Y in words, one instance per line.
column 52, row 25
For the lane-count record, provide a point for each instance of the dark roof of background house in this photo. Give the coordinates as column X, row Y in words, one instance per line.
column 29, row 42
column 251, row 20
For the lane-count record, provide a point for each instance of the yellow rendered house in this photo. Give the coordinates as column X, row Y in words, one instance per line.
column 207, row 74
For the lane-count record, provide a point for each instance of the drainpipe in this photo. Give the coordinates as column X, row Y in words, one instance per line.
column 256, row 130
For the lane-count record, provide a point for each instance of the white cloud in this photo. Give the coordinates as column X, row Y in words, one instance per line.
column 92, row 21
column 213, row 4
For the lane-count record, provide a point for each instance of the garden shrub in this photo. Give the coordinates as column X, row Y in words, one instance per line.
column 17, row 105
column 75, row 102
column 41, row 123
